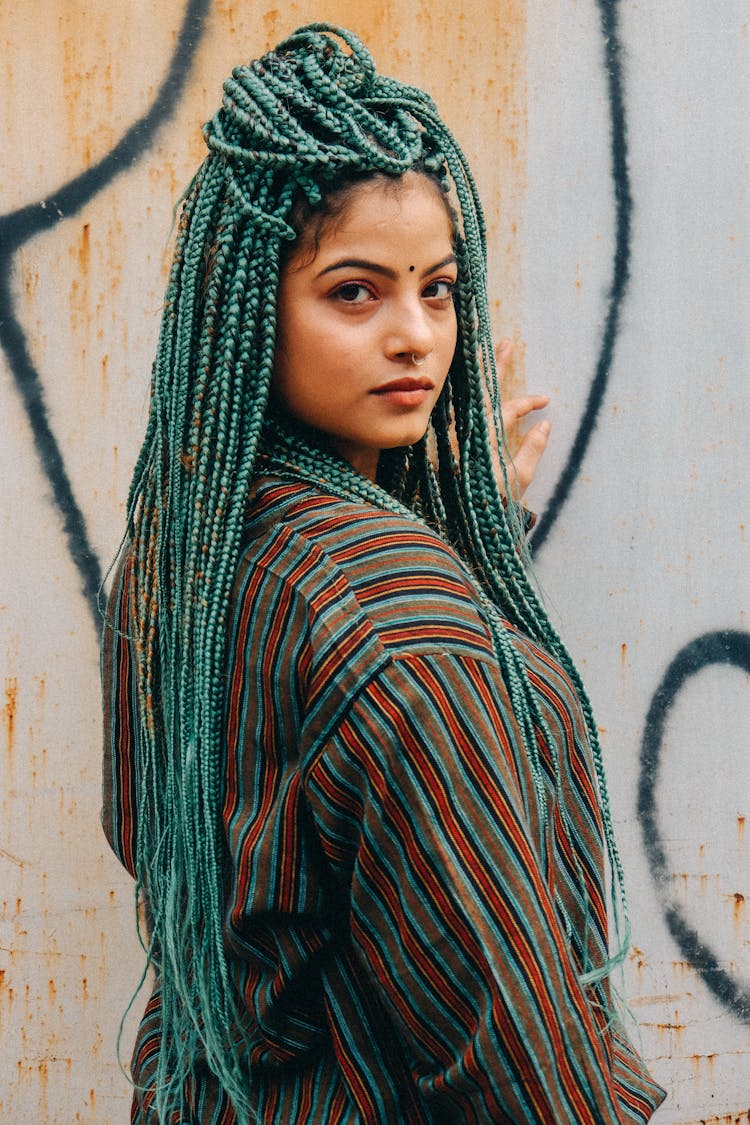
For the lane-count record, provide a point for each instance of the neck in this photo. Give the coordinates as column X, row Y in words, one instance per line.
column 291, row 448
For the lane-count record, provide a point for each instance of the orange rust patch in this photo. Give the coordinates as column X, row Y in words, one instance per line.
column 84, row 252
column 639, row 957
column 10, row 710
column 738, row 907
column 742, row 1117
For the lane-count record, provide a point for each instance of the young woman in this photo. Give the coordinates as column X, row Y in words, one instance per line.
column 347, row 759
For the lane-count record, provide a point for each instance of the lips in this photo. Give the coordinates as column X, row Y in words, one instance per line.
column 406, row 384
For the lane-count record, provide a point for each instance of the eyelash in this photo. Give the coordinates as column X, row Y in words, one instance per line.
column 338, row 293
column 450, row 287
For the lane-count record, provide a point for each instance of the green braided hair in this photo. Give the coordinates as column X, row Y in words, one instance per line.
column 293, row 127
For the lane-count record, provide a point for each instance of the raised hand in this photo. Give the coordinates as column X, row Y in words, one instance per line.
column 526, row 446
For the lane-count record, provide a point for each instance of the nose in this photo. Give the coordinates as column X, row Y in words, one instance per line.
column 409, row 333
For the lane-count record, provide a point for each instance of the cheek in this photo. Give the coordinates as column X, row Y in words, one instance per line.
column 296, row 353
column 304, row 331
column 448, row 345
column 449, row 342
column 302, row 362
column 322, row 343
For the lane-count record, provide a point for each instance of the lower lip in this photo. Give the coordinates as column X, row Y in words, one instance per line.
column 404, row 398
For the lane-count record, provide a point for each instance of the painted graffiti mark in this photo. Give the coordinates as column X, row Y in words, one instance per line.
column 18, row 227
column 721, row 647
column 620, row 272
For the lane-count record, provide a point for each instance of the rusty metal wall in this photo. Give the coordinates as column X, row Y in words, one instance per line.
column 609, row 147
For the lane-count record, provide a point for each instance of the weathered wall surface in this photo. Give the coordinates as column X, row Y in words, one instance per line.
column 610, row 143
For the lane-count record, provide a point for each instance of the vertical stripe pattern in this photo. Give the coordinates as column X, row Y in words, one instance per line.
column 406, row 933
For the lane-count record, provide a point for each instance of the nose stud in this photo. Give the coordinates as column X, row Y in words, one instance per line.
column 417, row 362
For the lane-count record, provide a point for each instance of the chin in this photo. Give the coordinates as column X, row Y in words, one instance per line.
column 408, row 437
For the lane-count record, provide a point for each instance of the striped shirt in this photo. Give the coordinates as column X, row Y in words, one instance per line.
column 395, row 900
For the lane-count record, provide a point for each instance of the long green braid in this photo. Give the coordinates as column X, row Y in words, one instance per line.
column 293, row 126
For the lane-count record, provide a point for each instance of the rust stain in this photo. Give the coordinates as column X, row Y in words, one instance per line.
column 10, row 710
column 681, row 967
column 684, row 878
column 741, row 830
column 639, row 957
column 672, row 1030
column 738, row 907
column 84, row 252
column 30, row 281
column 648, row 1001
column 105, row 373
column 80, row 318
column 272, row 24
column 13, row 859
column 699, row 1063
column 741, row 1117
column 705, row 881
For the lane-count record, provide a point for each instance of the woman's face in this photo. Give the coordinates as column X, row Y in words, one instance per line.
column 352, row 320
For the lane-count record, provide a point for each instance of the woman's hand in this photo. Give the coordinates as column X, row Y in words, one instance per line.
column 528, row 446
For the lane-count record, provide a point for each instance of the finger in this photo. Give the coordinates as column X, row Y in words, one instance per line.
column 516, row 408
column 504, row 352
column 529, row 455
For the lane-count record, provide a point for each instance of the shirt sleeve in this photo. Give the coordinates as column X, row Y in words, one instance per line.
column 418, row 805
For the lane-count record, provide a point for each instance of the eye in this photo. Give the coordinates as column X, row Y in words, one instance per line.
column 441, row 289
column 352, row 293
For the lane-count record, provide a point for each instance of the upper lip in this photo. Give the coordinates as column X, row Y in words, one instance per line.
column 406, row 383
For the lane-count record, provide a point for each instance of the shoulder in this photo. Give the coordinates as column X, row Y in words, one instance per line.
column 403, row 578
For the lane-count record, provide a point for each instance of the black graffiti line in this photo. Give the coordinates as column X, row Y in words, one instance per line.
column 620, row 273
column 19, row 226
column 730, row 647
column 29, row 387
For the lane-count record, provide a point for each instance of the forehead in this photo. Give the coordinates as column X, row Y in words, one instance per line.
column 382, row 199
column 390, row 215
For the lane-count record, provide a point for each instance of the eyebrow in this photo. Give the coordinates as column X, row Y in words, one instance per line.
column 384, row 271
